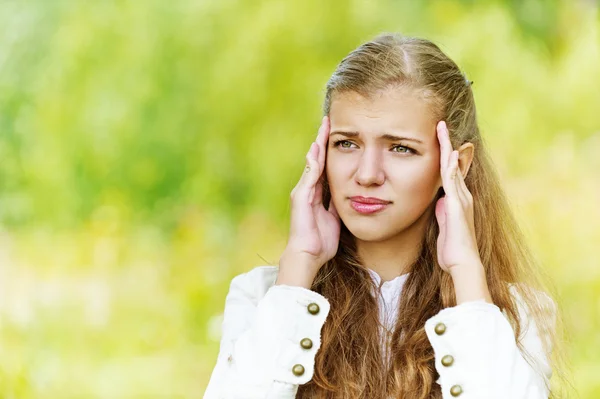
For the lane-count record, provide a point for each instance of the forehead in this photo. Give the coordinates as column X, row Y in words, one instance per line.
column 393, row 109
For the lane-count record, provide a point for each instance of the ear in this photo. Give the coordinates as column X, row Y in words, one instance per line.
column 466, row 153
column 465, row 157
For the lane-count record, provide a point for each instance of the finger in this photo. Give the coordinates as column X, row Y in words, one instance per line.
column 311, row 170
column 464, row 188
column 440, row 214
column 448, row 178
column 322, row 139
column 445, row 146
column 318, row 194
column 467, row 197
column 461, row 188
column 310, row 173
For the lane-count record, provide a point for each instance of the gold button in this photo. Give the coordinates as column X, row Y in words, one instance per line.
column 455, row 390
column 440, row 328
column 306, row 343
column 447, row 360
column 298, row 370
column 313, row 308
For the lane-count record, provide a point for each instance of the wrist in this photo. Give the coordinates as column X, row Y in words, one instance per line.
column 470, row 283
column 295, row 270
column 474, row 269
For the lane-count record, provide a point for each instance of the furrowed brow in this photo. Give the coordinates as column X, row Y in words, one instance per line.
column 389, row 137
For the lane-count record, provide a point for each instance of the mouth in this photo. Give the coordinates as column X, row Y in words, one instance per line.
column 368, row 205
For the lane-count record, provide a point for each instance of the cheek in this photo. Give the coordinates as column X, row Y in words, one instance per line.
column 417, row 180
column 334, row 171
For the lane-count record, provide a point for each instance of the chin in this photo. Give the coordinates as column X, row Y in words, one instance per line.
column 369, row 229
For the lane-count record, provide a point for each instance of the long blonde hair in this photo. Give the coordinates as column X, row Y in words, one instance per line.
column 349, row 363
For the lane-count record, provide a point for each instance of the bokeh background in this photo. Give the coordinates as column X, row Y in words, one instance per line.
column 148, row 149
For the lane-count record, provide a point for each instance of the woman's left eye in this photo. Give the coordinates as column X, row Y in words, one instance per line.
column 409, row 150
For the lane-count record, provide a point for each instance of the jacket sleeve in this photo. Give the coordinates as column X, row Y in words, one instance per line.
column 476, row 354
column 268, row 346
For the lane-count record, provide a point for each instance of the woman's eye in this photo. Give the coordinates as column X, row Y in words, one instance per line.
column 341, row 143
column 408, row 149
column 348, row 144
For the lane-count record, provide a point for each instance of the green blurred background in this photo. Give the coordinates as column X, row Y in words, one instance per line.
column 148, row 150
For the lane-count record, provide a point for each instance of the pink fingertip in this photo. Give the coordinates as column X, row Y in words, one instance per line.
column 442, row 130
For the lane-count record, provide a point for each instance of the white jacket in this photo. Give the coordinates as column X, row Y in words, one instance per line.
column 263, row 324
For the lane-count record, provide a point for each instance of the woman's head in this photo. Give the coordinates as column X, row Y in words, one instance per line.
column 403, row 86
column 384, row 101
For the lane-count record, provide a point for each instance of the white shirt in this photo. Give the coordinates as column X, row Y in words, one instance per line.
column 261, row 356
column 389, row 301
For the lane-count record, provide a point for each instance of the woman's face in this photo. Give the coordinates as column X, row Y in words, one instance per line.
column 365, row 159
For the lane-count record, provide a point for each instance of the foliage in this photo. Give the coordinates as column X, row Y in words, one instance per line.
column 149, row 148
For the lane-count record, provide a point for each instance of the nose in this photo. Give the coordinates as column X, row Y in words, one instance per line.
column 370, row 168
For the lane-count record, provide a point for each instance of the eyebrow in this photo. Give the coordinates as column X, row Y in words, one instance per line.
column 387, row 136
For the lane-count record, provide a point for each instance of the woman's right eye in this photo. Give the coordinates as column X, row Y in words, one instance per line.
column 341, row 143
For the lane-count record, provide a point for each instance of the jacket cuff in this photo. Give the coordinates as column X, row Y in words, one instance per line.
column 288, row 326
column 462, row 338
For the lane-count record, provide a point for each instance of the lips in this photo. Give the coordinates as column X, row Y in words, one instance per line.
column 369, row 200
column 368, row 205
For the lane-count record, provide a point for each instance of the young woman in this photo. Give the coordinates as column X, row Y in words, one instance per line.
column 405, row 275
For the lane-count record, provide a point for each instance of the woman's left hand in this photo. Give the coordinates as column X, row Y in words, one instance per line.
column 457, row 243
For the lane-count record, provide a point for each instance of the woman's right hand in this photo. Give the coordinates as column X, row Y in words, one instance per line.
column 314, row 230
